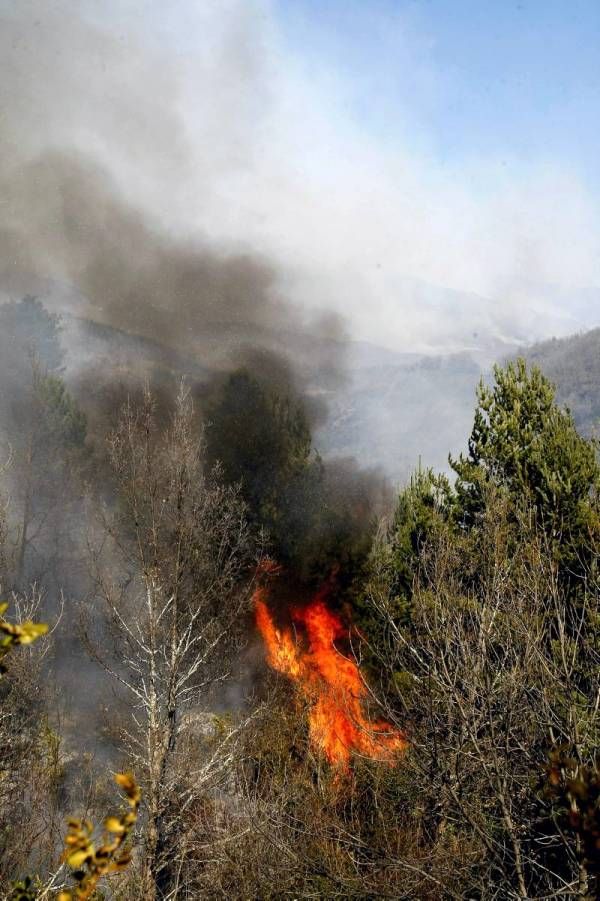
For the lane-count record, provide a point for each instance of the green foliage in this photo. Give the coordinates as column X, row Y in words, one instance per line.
column 523, row 442
column 525, row 445
column 29, row 344
column 483, row 605
column 524, row 449
column 65, row 423
column 315, row 520
column 475, row 653
column 423, row 507
column 49, row 432
column 522, row 446
column 261, row 439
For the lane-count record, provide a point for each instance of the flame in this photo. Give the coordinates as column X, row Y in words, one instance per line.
column 330, row 682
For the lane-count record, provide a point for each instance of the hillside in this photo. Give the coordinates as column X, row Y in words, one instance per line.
column 573, row 364
column 384, row 409
column 406, row 410
column 389, row 411
column 395, row 415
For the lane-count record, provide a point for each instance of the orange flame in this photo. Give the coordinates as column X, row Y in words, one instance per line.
column 331, row 683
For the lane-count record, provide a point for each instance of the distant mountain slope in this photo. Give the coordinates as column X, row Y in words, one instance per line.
column 573, row 364
column 390, row 411
column 405, row 410
column 392, row 416
column 89, row 344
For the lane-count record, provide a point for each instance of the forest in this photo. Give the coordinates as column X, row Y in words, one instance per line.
column 573, row 364
column 303, row 683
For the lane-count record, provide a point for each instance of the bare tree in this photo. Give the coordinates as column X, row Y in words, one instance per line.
column 173, row 574
column 30, row 748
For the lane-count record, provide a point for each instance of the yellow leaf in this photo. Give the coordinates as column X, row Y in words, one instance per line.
column 77, row 858
column 127, row 782
column 114, row 824
column 31, row 631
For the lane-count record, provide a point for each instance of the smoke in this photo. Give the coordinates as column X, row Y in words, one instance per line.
column 164, row 166
column 68, row 222
column 192, row 200
column 182, row 173
column 102, row 184
column 94, row 159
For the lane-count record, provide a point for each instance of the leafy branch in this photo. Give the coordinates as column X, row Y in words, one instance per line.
column 89, row 863
column 14, row 634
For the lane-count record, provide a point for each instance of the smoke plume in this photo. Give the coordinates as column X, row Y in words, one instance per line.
column 90, row 136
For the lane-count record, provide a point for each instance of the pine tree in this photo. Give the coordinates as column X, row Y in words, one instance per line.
column 524, row 444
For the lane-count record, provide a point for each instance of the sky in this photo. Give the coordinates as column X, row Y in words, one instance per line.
column 462, row 78
column 428, row 169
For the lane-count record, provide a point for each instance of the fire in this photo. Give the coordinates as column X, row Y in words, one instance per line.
column 331, row 682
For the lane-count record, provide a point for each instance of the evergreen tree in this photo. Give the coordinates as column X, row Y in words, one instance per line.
column 526, row 445
column 425, row 502
column 261, row 438
column 318, row 519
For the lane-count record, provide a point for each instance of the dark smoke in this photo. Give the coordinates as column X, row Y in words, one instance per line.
column 64, row 221
column 89, row 138
column 79, row 109
column 91, row 145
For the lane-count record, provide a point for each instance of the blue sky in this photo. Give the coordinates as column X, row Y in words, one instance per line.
column 461, row 78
